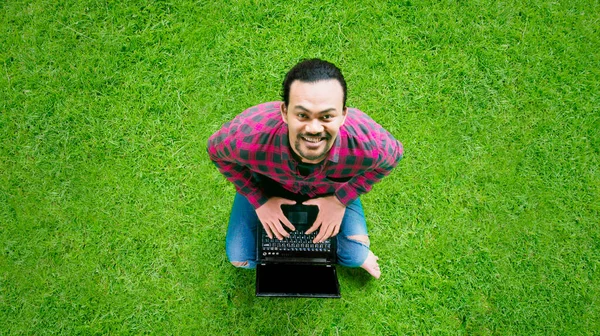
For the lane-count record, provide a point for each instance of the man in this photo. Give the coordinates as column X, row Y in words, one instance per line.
column 310, row 148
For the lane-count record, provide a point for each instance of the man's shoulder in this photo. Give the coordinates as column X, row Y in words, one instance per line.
column 359, row 124
column 263, row 120
column 361, row 135
column 258, row 112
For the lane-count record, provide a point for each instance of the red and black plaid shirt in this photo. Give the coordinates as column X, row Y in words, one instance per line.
column 256, row 142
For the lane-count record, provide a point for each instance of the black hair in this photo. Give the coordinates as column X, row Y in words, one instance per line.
column 310, row 71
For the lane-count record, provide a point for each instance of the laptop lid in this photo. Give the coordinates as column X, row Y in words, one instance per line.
column 302, row 272
column 297, row 280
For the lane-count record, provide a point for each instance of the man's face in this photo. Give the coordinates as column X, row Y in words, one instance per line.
column 314, row 116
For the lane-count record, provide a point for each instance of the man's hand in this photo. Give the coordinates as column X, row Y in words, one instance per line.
column 271, row 217
column 331, row 213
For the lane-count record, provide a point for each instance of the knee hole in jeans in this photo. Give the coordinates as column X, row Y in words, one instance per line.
column 239, row 263
column 361, row 238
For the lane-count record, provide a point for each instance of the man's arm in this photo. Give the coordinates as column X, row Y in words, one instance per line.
column 390, row 153
column 222, row 150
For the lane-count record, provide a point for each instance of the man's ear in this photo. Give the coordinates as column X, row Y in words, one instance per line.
column 283, row 112
column 344, row 114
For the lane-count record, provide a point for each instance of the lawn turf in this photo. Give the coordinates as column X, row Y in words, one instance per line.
column 112, row 217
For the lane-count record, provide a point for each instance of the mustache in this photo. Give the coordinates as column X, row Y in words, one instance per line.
column 321, row 135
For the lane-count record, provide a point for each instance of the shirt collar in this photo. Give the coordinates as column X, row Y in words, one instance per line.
column 284, row 140
column 334, row 152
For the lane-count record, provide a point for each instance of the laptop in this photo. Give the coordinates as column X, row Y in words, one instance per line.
column 295, row 266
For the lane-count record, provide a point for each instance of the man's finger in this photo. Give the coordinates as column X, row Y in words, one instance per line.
column 318, row 222
column 267, row 231
column 287, row 223
column 274, row 230
column 287, row 201
column 322, row 232
column 310, row 202
column 325, row 233
column 313, row 228
column 336, row 230
column 319, row 236
column 280, row 230
column 329, row 233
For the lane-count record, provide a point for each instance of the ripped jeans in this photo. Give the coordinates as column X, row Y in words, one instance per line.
column 240, row 242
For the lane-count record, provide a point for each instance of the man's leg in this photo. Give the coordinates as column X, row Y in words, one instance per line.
column 240, row 243
column 353, row 241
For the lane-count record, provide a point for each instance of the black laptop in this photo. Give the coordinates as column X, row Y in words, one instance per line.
column 295, row 266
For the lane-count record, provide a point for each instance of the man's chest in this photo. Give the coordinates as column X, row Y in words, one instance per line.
column 290, row 172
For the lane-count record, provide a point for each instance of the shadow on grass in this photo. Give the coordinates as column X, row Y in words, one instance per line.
column 240, row 283
column 356, row 277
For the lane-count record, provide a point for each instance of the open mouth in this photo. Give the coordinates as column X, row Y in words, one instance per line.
column 312, row 147
column 313, row 139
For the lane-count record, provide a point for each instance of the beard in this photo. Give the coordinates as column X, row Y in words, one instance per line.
column 312, row 155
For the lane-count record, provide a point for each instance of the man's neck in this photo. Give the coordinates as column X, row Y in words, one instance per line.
column 302, row 161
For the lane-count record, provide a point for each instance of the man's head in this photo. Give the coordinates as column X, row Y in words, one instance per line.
column 310, row 71
column 314, row 107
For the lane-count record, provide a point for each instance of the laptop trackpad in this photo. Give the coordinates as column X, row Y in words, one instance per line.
column 297, row 280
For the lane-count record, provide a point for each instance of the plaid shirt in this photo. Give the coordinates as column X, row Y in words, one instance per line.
column 256, row 142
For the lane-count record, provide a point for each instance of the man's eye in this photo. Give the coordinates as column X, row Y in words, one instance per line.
column 326, row 117
column 301, row 115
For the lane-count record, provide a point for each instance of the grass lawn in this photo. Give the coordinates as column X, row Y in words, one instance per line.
column 113, row 219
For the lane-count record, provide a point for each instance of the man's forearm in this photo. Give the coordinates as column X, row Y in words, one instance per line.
column 242, row 179
column 361, row 184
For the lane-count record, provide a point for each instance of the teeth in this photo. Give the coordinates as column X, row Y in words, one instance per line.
column 312, row 139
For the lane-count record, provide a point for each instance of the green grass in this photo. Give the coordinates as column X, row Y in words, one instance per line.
column 112, row 217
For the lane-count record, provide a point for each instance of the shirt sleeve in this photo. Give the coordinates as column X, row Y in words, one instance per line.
column 390, row 153
column 223, row 151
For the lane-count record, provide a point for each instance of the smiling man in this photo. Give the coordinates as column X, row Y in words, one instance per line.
column 310, row 148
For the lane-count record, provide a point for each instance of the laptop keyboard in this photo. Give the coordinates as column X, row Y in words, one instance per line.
column 296, row 242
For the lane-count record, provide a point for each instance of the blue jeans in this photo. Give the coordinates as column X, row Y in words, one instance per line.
column 240, row 243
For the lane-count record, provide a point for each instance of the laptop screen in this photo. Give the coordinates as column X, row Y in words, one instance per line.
column 298, row 217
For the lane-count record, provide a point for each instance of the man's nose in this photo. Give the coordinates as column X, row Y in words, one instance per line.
column 314, row 126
